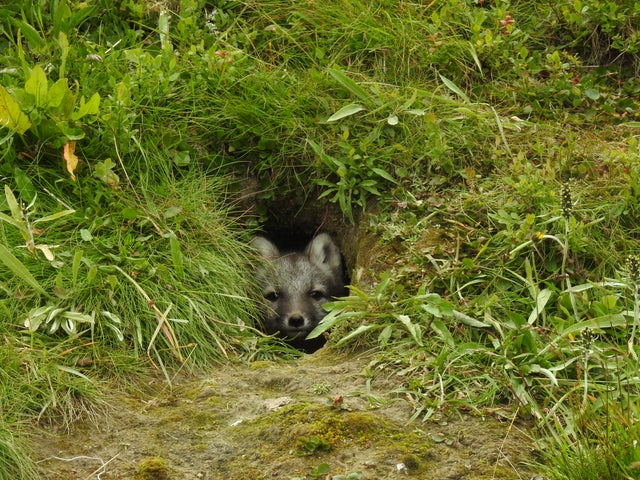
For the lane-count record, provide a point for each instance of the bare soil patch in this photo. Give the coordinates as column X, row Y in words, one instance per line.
column 273, row 420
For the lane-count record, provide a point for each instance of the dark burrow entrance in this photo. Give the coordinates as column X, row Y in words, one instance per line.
column 291, row 228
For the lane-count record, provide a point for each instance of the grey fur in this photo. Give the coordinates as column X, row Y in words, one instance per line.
column 296, row 285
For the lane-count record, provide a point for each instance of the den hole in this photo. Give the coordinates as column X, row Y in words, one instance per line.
column 291, row 229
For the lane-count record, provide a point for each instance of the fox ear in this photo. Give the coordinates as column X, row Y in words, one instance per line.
column 322, row 250
column 266, row 249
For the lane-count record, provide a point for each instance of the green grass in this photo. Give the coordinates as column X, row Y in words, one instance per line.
column 594, row 447
column 14, row 461
column 462, row 121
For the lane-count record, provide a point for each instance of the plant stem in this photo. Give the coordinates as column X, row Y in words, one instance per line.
column 565, row 256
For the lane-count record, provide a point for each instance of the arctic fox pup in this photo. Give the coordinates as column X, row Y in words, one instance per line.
column 296, row 285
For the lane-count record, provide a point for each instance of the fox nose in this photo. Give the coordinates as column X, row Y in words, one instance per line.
column 296, row 320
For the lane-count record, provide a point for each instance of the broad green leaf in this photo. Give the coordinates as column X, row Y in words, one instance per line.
column 592, row 93
column 475, row 57
column 58, row 92
column 176, row 256
column 18, row 268
column 455, row 89
column 346, row 111
column 92, row 273
column 61, row 13
column 605, row 321
column 82, row 11
column 383, row 174
column 605, row 284
column 53, row 313
column 36, row 317
column 37, row 86
column 31, row 34
column 350, row 85
column 412, row 328
column 20, row 225
column 16, row 211
column 68, row 325
column 63, row 43
column 442, row 331
column 328, row 160
column 104, row 171
column 467, row 320
column 535, row 368
column 89, row 108
column 406, row 105
column 26, row 190
column 111, row 316
column 117, row 331
column 172, row 211
column 541, row 301
column 11, row 116
column 79, row 317
column 182, row 159
column 129, row 213
column 332, row 318
column 385, row 335
column 75, row 267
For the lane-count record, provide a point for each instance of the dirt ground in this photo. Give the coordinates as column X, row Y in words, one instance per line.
column 321, row 416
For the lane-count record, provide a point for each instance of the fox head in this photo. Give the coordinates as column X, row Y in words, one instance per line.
column 296, row 285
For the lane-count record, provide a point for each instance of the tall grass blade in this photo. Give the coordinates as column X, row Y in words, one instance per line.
column 352, row 86
column 18, row 268
column 455, row 89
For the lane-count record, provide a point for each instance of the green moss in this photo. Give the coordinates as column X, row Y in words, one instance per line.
column 411, row 461
column 154, row 468
column 313, row 430
column 260, row 364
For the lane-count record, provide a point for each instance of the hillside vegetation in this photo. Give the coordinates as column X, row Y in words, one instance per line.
column 488, row 152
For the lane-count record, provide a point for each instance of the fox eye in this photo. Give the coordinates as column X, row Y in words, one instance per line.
column 316, row 294
column 272, row 296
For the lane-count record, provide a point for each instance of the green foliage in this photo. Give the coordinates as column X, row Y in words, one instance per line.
column 312, row 445
column 52, row 112
column 545, row 341
column 609, row 24
column 607, row 450
column 322, row 471
column 206, row 286
column 126, row 126
column 14, row 463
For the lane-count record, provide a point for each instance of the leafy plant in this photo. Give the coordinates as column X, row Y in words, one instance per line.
column 322, row 471
column 358, row 179
column 459, row 119
column 312, row 445
column 28, row 228
column 49, row 112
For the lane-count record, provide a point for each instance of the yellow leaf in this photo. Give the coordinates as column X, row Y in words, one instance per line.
column 11, row 116
column 47, row 252
column 70, row 158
